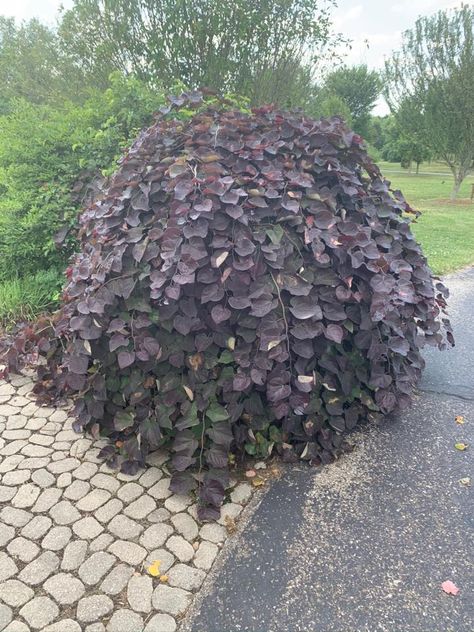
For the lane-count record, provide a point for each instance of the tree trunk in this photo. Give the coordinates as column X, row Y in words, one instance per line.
column 417, row 168
column 457, row 185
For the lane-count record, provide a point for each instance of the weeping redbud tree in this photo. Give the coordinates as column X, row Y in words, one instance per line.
column 248, row 284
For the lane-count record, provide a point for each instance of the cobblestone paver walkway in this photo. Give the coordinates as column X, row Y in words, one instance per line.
column 76, row 538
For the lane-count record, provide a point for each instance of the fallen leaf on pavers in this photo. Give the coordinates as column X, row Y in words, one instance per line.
column 459, row 419
column 230, row 525
column 450, row 588
column 250, row 473
column 154, row 569
column 163, row 578
column 465, row 481
column 461, row 446
column 260, row 465
column 258, row 482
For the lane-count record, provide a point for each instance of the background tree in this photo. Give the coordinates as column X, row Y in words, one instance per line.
column 430, row 87
column 358, row 88
column 265, row 49
column 34, row 67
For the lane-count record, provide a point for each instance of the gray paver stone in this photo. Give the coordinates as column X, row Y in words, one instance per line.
column 129, row 492
column 241, row 494
column 43, row 478
column 93, row 500
column 181, row 548
column 23, row 549
column 39, row 612
column 7, row 493
column 57, row 538
column 15, row 593
column 74, row 555
column 117, row 579
column 15, row 517
column 161, row 623
column 64, row 588
column 7, row 533
column 16, row 477
column 109, row 510
column 95, row 567
column 64, row 513
column 139, row 592
column 159, row 515
column 205, row 555
column 85, row 471
column 156, row 535
column 125, row 621
column 104, row 481
column 64, row 465
column 151, row 476
column 8, row 568
column 64, row 480
column 124, row 527
column 161, row 490
column 173, row 601
column 165, row 558
column 177, row 503
column 213, row 532
column 40, row 569
column 186, row 577
column 48, row 498
column 77, row 490
column 102, row 542
column 87, row 528
column 6, row 616
column 65, row 625
column 94, row 608
column 17, row 626
column 141, row 507
column 186, row 526
column 128, row 552
column 36, row 529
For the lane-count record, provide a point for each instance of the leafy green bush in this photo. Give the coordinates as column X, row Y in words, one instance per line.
column 48, row 158
column 249, row 284
column 24, row 299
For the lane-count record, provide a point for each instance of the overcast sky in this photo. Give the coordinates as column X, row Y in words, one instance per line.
column 375, row 26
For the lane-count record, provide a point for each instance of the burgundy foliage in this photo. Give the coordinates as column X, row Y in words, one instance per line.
column 248, row 282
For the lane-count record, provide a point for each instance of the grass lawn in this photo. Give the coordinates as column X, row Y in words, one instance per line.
column 446, row 229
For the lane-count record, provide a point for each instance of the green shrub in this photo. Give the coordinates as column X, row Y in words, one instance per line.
column 23, row 299
column 48, row 157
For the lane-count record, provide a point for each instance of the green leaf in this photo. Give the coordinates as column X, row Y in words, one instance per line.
column 123, row 419
column 216, row 413
column 226, row 357
column 275, row 234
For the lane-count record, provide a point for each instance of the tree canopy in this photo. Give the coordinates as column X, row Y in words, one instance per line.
column 430, row 86
column 265, row 49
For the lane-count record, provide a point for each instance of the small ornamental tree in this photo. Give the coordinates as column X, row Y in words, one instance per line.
column 248, row 283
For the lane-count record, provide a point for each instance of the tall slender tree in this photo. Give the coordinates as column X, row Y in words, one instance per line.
column 430, row 87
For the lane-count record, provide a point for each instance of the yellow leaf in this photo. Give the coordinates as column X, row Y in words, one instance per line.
column 231, row 343
column 258, row 482
column 221, row 258
column 163, row 578
column 305, row 379
column 465, row 481
column 272, row 343
column 461, row 446
column 154, row 569
column 189, row 392
column 459, row 419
